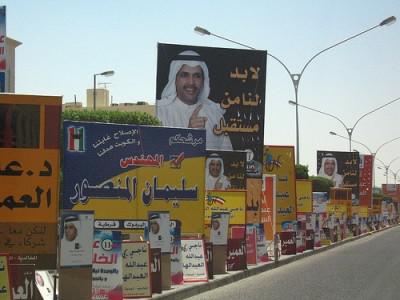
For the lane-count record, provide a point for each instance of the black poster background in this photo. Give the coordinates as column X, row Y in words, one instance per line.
column 349, row 167
column 234, row 167
column 224, row 65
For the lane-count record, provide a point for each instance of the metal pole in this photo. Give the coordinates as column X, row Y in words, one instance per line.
column 94, row 91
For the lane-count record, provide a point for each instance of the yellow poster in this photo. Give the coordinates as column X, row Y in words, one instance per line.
column 5, row 293
column 233, row 202
column 279, row 160
column 304, row 196
column 363, row 211
column 29, row 158
column 338, row 210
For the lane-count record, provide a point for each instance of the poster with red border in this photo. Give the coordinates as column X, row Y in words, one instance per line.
column 251, row 244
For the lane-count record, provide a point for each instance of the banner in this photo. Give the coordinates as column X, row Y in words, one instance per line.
column 320, row 199
column 342, row 168
column 76, row 233
column 251, row 244
column 253, row 200
column 279, row 160
column 236, row 255
column 366, row 173
column 144, row 168
column 3, row 55
column 233, row 202
column 225, row 95
column 304, row 196
column 268, row 204
column 136, row 269
column 107, row 266
column 225, row 170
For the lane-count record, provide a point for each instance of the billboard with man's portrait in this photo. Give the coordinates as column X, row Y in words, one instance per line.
column 221, row 90
column 342, row 168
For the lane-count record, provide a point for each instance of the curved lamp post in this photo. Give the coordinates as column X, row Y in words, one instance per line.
column 105, row 73
column 349, row 130
column 387, row 166
column 295, row 77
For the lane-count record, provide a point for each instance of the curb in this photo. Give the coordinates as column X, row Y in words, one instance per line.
column 186, row 291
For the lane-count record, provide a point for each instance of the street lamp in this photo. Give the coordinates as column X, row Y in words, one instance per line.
column 349, row 130
column 105, row 73
column 387, row 166
column 295, row 77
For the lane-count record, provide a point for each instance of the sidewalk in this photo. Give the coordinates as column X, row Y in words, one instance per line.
column 191, row 289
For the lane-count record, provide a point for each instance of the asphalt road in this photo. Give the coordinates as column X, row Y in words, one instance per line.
column 368, row 268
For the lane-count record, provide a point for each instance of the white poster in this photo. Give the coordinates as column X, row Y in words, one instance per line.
column 44, row 283
column 193, row 260
column 159, row 231
column 219, row 228
column 76, row 238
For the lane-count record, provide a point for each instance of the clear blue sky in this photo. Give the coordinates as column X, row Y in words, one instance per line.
column 66, row 42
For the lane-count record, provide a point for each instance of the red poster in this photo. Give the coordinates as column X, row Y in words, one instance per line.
column 251, row 244
column 365, row 180
column 267, row 206
column 288, row 241
column 236, row 255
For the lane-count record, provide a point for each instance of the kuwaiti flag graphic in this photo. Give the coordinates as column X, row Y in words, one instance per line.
column 214, row 200
column 76, row 139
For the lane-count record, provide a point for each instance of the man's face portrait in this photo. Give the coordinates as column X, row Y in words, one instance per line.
column 215, row 168
column 154, row 227
column 189, row 82
column 70, row 231
column 329, row 166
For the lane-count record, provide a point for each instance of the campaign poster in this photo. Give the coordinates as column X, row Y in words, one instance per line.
column 225, row 170
column 236, row 255
column 262, row 253
column 3, row 55
column 233, row 202
column 76, row 233
column 268, row 204
column 279, row 161
column 107, row 275
column 5, row 286
column 159, row 231
column 288, row 243
column 251, row 244
column 29, row 180
column 176, row 252
column 155, row 259
column 194, row 260
column 304, row 196
column 253, row 200
column 136, row 272
column 219, row 228
column 226, row 96
column 45, row 284
column 320, row 199
column 343, row 168
column 366, row 173
column 144, row 168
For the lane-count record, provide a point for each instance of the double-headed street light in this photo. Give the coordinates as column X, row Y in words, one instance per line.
column 295, row 77
column 349, row 130
column 105, row 73
column 387, row 167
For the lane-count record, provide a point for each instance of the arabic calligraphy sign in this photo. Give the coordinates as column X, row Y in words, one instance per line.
column 236, row 255
column 5, row 286
column 304, row 196
column 143, row 168
column 194, row 260
column 136, row 269
column 233, row 97
column 279, row 160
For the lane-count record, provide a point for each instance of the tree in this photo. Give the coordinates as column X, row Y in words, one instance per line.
column 321, row 184
column 301, row 171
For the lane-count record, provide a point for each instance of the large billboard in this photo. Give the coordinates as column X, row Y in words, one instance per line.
column 221, row 90
column 279, row 160
column 125, row 171
column 342, row 168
